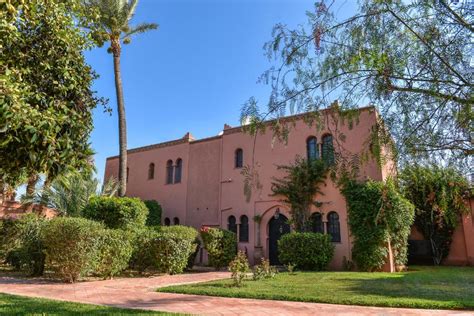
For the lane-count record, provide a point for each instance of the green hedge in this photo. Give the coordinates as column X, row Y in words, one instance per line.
column 189, row 233
column 114, row 251
column 308, row 251
column 71, row 246
column 221, row 246
column 117, row 212
column 170, row 252
column 21, row 244
column 142, row 258
column 154, row 213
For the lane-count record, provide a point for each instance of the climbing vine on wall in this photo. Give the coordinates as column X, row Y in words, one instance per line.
column 439, row 197
column 378, row 216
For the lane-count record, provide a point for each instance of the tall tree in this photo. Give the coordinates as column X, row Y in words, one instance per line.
column 113, row 25
column 412, row 59
column 46, row 100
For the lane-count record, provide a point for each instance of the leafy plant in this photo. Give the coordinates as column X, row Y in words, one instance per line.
column 154, row 213
column 290, row 267
column 309, row 251
column 117, row 212
column 188, row 233
column 114, row 251
column 220, row 244
column 239, row 268
column 298, row 187
column 439, row 197
column 263, row 270
column 378, row 216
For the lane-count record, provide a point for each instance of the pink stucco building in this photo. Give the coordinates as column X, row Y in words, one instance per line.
column 200, row 181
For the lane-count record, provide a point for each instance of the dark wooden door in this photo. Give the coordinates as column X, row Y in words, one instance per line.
column 277, row 228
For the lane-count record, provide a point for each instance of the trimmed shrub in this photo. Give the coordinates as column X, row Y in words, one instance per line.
column 117, row 212
column 189, row 233
column 220, row 244
column 71, row 246
column 114, row 251
column 308, row 251
column 22, row 245
column 142, row 258
column 154, row 213
column 170, row 252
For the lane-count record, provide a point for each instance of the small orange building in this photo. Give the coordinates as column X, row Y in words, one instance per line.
column 201, row 182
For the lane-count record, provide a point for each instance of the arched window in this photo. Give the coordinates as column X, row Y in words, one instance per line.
column 169, row 172
column 231, row 224
column 312, row 148
column 333, row 227
column 177, row 170
column 327, row 149
column 244, row 229
column 317, row 223
column 239, row 158
column 175, row 221
column 167, row 222
column 151, row 171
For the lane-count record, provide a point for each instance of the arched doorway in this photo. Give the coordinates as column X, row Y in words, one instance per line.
column 277, row 227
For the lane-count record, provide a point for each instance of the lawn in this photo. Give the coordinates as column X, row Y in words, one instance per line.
column 421, row 287
column 20, row 305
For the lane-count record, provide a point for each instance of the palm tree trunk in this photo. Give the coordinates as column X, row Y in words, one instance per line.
column 30, row 191
column 115, row 43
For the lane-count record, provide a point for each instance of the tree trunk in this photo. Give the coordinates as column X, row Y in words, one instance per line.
column 115, row 43
column 30, row 191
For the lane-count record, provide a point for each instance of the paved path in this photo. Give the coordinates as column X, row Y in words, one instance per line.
column 140, row 293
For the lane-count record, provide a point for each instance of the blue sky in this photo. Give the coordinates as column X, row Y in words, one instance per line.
column 194, row 72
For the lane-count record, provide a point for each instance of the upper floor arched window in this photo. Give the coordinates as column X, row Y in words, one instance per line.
column 167, row 221
column 175, row 221
column 327, row 149
column 151, row 171
column 178, row 170
column 239, row 158
column 317, row 223
column 334, row 228
column 244, row 229
column 312, row 148
column 169, row 172
column 232, row 224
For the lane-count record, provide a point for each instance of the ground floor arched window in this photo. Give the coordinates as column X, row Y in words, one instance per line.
column 167, row 221
column 333, row 227
column 175, row 221
column 244, row 229
column 232, row 224
column 317, row 225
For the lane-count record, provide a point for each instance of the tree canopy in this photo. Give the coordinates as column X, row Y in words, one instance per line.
column 46, row 100
column 411, row 59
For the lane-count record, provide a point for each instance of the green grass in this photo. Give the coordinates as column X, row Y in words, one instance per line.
column 421, row 287
column 20, row 305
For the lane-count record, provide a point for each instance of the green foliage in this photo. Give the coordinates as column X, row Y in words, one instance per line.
column 170, row 252
column 46, row 97
column 154, row 213
column 439, row 197
column 114, row 251
column 117, row 212
column 142, row 257
column 71, row 246
column 263, row 270
column 239, row 268
column 298, row 187
column 377, row 215
column 22, row 245
column 188, row 233
column 309, row 251
column 409, row 58
column 221, row 246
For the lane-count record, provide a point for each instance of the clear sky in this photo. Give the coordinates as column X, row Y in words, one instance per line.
column 193, row 73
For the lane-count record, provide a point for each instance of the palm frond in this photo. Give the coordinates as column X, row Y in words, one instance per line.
column 141, row 28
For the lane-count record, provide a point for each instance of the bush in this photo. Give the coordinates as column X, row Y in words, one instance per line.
column 71, row 246
column 309, row 251
column 170, row 252
column 22, row 246
column 142, row 258
column 220, row 244
column 117, row 212
column 377, row 213
column 264, row 270
column 189, row 233
column 239, row 268
column 154, row 213
column 114, row 251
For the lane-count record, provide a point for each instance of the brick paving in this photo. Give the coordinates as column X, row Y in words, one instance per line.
column 140, row 293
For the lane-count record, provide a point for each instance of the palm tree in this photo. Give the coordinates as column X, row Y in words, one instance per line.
column 112, row 25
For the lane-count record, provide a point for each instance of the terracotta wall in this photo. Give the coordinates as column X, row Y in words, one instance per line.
column 212, row 188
